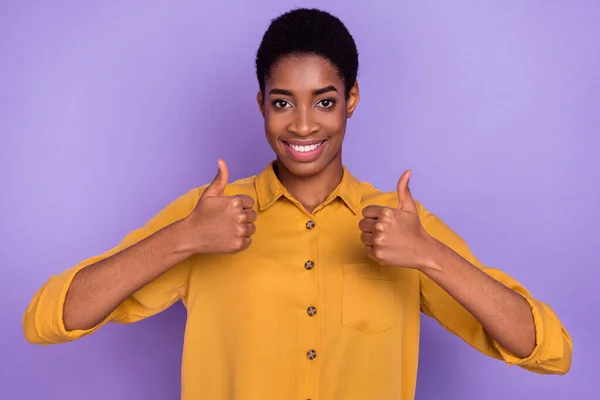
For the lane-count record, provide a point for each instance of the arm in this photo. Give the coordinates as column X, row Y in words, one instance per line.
column 97, row 290
column 504, row 314
column 487, row 308
column 147, row 272
column 484, row 306
column 117, row 285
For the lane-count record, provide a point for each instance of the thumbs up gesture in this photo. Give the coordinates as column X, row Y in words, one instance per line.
column 395, row 236
column 219, row 223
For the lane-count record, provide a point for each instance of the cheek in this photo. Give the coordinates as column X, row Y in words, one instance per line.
column 274, row 122
column 274, row 128
column 334, row 122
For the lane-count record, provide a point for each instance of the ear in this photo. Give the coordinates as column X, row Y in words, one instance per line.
column 353, row 98
column 260, row 99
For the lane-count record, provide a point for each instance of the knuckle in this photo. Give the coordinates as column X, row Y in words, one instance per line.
column 238, row 243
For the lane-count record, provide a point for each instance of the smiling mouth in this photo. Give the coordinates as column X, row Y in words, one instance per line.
column 307, row 148
column 306, row 151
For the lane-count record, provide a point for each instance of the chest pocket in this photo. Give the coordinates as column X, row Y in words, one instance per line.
column 368, row 296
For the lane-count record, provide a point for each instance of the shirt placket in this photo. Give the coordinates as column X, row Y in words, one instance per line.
column 312, row 351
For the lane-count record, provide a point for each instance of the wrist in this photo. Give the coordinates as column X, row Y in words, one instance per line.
column 434, row 255
column 184, row 243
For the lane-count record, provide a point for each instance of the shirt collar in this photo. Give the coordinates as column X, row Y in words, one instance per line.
column 269, row 189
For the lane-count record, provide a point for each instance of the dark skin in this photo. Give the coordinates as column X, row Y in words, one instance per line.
column 304, row 99
column 295, row 105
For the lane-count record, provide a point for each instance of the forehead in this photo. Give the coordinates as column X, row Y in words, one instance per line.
column 303, row 70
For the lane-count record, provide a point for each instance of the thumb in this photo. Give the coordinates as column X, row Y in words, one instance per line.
column 405, row 199
column 217, row 186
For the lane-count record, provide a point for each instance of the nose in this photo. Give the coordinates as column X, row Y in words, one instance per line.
column 304, row 123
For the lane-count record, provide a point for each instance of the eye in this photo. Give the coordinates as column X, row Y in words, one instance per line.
column 279, row 103
column 327, row 103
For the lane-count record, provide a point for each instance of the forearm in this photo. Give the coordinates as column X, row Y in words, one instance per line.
column 98, row 289
column 504, row 314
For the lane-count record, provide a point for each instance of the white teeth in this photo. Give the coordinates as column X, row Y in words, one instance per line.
column 304, row 149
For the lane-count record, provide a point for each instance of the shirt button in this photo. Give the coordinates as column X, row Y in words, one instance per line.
column 311, row 311
column 309, row 264
column 311, row 354
column 310, row 225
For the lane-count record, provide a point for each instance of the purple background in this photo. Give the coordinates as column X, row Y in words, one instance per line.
column 109, row 111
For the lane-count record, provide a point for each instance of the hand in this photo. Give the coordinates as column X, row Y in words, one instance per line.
column 395, row 236
column 219, row 223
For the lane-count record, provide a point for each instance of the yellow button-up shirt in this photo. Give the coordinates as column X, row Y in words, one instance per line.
column 303, row 313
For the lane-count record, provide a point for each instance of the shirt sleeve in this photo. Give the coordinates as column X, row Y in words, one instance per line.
column 553, row 348
column 43, row 319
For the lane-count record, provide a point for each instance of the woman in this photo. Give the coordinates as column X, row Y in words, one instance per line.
column 302, row 282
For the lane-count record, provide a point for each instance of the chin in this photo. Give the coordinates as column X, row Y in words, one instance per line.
column 303, row 169
column 307, row 169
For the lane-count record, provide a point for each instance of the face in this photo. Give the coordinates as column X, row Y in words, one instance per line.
column 305, row 111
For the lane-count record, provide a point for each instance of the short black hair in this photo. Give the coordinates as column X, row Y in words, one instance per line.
column 308, row 31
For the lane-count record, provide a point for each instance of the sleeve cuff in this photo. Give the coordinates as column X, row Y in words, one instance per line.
column 44, row 319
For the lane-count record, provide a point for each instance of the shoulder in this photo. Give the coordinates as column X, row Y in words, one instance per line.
column 242, row 186
column 182, row 205
column 370, row 195
column 239, row 186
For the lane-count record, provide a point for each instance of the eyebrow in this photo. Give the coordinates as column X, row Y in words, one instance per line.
column 316, row 92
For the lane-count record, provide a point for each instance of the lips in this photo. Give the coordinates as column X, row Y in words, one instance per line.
column 303, row 142
column 305, row 147
column 305, row 150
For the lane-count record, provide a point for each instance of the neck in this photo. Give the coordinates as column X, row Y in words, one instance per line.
column 311, row 190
